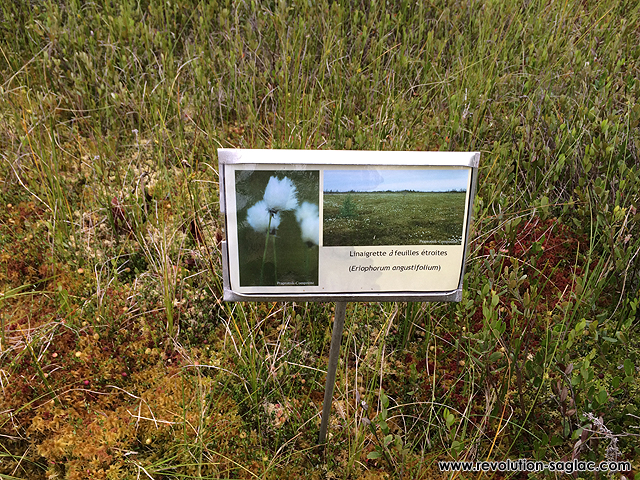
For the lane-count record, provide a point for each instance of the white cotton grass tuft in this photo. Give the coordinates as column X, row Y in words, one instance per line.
column 310, row 230
column 308, row 217
column 307, row 210
column 258, row 218
column 280, row 195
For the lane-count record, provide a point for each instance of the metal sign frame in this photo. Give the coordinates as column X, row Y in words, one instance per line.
column 234, row 160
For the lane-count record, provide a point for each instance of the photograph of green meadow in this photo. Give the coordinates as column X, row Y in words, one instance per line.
column 119, row 358
column 394, row 207
column 278, row 227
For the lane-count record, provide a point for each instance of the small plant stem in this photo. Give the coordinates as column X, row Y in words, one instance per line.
column 385, row 450
column 306, row 263
column 408, row 321
column 275, row 261
column 3, row 341
column 168, row 301
column 42, row 376
column 264, row 255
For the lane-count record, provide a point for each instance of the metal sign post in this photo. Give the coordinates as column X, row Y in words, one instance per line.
column 334, row 357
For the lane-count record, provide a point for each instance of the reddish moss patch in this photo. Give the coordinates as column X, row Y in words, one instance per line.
column 548, row 250
column 23, row 244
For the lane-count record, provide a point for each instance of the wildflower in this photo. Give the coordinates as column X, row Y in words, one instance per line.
column 261, row 220
column 264, row 216
column 306, row 210
column 310, row 231
column 280, row 195
column 308, row 218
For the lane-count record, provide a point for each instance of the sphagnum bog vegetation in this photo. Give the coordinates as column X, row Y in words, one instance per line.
column 118, row 358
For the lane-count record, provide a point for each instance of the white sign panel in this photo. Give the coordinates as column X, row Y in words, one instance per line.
column 345, row 225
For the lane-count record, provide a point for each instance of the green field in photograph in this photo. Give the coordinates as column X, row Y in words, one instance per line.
column 393, row 218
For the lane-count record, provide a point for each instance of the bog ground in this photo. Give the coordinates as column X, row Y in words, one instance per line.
column 118, row 358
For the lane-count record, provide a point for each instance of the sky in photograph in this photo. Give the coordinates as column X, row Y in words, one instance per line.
column 382, row 180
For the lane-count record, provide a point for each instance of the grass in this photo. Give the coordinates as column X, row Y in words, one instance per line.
column 118, row 357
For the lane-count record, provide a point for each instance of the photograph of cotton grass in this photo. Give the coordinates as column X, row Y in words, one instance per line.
column 370, row 207
column 278, row 227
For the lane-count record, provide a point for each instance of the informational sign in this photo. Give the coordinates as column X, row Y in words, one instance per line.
column 322, row 225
